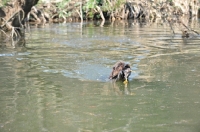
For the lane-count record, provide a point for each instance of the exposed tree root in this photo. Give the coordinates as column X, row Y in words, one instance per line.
column 12, row 17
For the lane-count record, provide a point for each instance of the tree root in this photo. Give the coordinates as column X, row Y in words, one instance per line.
column 14, row 31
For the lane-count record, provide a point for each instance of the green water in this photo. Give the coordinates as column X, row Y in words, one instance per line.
column 58, row 81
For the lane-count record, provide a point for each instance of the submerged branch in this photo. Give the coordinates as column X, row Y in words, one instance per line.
column 189, row 28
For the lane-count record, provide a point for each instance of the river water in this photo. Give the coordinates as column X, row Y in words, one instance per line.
column 58, row 81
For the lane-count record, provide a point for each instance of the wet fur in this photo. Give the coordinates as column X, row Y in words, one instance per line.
column 119, row 71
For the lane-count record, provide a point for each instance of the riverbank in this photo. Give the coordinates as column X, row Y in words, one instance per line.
column 15, row 13
column 79, row 10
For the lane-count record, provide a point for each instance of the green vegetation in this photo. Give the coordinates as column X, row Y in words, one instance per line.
column 3, row 2
column 62, row 13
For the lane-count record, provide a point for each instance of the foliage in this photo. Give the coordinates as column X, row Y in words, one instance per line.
column 91, row 4
column 3, row 2
column 88, row 8
column 119, row 3
column 105, row 5
column 61, row 9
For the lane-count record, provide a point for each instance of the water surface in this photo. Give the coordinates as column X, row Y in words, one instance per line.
column 59, row 81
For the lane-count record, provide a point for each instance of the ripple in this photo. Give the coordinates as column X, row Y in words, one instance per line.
column 7, row 54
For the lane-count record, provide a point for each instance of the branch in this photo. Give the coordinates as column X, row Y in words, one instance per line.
column 189, row 28
column 101, row 13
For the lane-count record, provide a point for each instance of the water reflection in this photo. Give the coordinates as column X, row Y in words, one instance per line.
column 59, row 81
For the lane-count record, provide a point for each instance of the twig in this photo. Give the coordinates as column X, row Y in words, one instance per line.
column 189, row 28
column 171, row 26
column 4, row 33
column 10, row 18
column 101, row 13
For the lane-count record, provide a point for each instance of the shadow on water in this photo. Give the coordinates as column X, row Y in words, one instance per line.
column 58, row 80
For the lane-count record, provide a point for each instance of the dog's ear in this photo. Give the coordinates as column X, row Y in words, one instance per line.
column 127, row 66
column 112, row 73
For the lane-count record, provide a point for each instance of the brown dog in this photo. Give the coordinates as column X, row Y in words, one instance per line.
column 121, row 71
